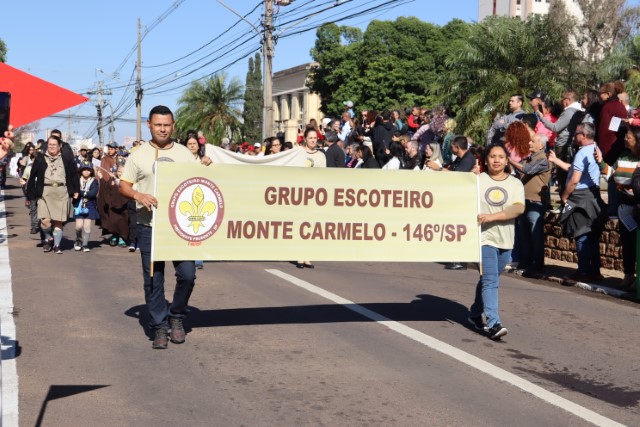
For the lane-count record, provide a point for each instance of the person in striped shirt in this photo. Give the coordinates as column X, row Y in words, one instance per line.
column 622, row 171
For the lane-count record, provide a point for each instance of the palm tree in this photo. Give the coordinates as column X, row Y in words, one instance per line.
column 503, row 57
column 212, row 106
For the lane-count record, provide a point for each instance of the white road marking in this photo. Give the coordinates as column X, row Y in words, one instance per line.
column 8, row 373
column 455, row 353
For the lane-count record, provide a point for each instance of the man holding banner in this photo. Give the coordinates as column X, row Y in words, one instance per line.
column 140, row 169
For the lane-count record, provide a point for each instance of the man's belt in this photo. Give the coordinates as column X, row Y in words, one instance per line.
column 56, row 184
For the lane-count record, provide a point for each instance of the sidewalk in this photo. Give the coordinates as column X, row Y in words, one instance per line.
column 556, row 271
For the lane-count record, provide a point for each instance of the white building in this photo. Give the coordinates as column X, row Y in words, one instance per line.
column 521, row 8
column 293, row 103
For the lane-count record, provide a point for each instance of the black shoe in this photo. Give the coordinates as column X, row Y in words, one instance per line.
column 34, row 231
column 177, row 330
column 299, row 265
column 455, row 266
column 533, row 274
column 47, row 246
column 161, row 340
column 477, row 322
column 496, row 332
column 309, row 265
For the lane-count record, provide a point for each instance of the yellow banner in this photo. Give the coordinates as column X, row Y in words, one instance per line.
column 235, row 212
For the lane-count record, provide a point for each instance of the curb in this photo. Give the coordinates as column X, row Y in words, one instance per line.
column 593, row 287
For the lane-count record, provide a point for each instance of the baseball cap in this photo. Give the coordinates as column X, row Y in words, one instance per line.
column 538, row 94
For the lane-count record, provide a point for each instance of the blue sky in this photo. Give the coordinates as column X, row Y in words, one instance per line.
column 65, row 42
column 68, row 42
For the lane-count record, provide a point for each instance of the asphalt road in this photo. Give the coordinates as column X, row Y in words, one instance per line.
column 344, row 344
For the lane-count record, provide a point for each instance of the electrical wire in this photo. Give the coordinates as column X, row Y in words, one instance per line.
column 207, row 43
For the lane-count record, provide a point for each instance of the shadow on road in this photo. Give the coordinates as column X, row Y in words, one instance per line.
column 428, row 308
column 62, row 391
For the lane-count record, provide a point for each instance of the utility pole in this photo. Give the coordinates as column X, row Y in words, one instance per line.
column 267, row 63
column 139, row 85
column 99, row 107
column 267, row 60
column 100, row 136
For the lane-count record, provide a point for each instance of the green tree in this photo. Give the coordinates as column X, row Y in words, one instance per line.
column 334, row 78
column 212, row 106
column 504, row 56
column 393, row 64
column 253, row 101
column 3, row 51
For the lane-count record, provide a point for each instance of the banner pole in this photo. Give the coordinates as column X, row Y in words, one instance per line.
column 479, row 226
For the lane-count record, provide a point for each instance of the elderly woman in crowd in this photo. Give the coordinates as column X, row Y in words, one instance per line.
column 535, row 172
column 53, row 182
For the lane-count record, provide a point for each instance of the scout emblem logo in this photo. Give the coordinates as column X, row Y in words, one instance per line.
column 196, row 209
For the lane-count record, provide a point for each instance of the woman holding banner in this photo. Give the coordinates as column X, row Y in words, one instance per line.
column 501, row 202
column 315, row 159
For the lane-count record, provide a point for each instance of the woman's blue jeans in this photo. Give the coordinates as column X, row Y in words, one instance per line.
column 494, row 260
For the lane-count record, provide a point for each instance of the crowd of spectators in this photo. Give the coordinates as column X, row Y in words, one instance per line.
column 577, row 144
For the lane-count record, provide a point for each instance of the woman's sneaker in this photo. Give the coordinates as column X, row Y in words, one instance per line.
column 496, row 332
column 113, row 241
column 86, row 249
column 122, row 243
column 77, row 245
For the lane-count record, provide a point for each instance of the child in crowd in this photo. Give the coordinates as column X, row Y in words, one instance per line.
column 85, row 206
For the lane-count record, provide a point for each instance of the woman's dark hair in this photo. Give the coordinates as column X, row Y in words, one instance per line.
column 94, row 150
column 490, row 147
column 309, row 129
column 635, row 131
column 396, row 150
column 288, row 145
column 194, row 135
column 268, row 142
column 25, row 150
column 592, row 98
column 365, row 151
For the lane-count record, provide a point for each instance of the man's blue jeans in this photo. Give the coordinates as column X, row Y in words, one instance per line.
column 531, row 227
column 588, row 249
column 494, row 260
column 159, row 309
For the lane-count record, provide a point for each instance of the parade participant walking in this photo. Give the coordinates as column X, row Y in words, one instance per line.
column 501, row 202
column 85, row 207
column 140, row 170
column 52, row 181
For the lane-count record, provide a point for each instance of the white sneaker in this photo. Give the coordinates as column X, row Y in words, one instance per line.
column 86, row 249
column 77, row 245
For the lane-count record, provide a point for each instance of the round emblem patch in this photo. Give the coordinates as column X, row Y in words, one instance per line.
column 496, row 196
column 196, row 209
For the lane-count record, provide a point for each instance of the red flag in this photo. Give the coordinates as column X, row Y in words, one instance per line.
column 33, row 98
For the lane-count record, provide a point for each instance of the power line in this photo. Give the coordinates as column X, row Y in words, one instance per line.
column 158, row 20
column 207, row 43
